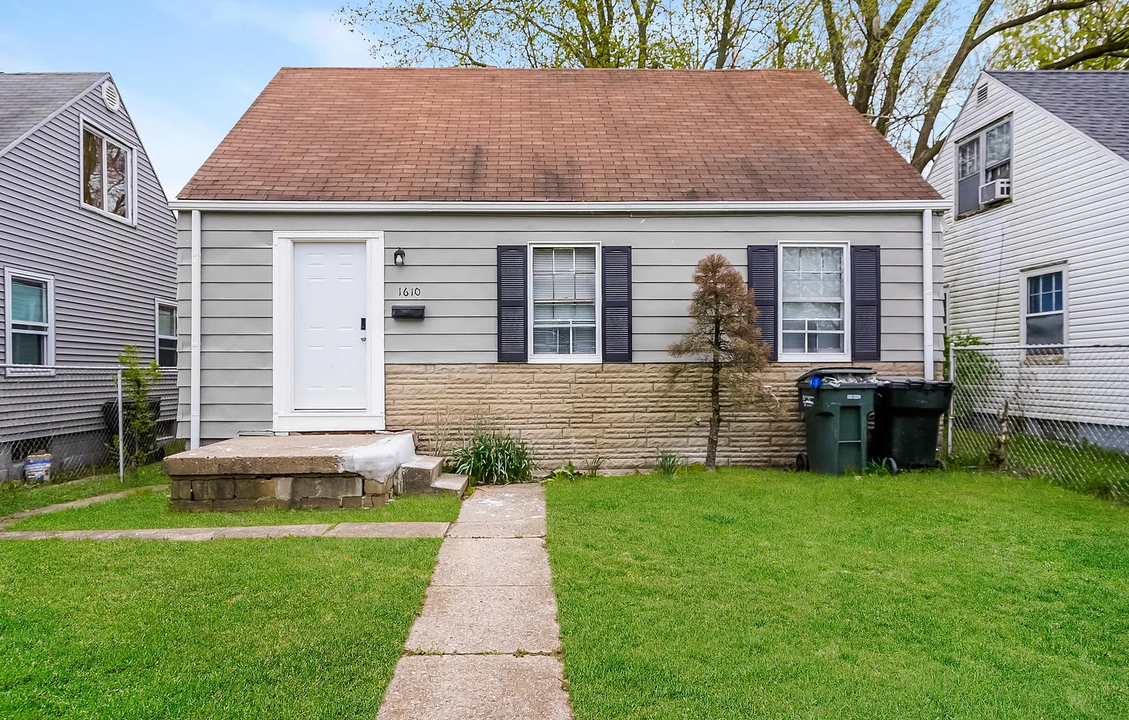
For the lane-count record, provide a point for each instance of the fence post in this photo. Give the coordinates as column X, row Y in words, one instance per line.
column 121, row 432
column 952, row 398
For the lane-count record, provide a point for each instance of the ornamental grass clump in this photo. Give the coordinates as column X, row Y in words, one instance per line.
column 494, row 459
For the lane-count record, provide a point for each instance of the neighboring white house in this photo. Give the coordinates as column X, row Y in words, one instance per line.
column 1037, row 235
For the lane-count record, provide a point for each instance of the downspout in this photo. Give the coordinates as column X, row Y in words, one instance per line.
column 194, row 371
column 927, row 290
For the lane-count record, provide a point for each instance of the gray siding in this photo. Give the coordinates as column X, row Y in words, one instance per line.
column 452, row 259
column 107, row 273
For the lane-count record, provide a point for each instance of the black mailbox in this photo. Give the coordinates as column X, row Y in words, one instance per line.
column 407, row 312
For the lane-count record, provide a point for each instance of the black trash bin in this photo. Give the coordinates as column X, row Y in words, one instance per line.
column 907, row 416
column 835, row 403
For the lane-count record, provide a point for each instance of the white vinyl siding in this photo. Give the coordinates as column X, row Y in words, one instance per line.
column 1070, row 203
column 1070, row 206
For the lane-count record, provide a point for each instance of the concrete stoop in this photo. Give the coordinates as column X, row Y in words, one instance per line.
column 304, row 471
column 423, row 474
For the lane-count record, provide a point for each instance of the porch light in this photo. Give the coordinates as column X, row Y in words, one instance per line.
column 398, row 257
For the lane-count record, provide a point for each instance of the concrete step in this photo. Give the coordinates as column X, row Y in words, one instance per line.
column 417, row 474
column 450, row 483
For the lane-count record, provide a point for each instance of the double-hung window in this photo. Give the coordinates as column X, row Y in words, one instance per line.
column 1044, row 316
column 29, row 318
column 982, row 158
column 564, row 302
column 813, row 301
column 166, row 335
column 107, row 174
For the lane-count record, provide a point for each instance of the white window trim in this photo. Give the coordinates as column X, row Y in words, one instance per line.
column 158, row 337
column 285, row 417
column 844, row 356
column 565, row 359
column 11, row 274
column 131, row 184
column 981, row 136
column 1024, row 275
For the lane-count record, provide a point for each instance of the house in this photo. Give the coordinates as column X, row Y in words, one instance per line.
column 88, row 258
column 1036, row 177
column 434, row 249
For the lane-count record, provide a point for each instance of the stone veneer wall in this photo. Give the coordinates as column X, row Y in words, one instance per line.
column 625, row 414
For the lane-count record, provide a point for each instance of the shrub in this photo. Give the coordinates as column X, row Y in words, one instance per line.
column 138, row 412
column 566, row 473
column 593, row 465
column 494, row 458
column 668, row 463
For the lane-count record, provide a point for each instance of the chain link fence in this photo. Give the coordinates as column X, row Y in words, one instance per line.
column 67, row 420
column 1059, row 412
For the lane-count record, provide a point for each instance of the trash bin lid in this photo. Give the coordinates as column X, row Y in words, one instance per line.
column 843, row 374
column 899, row 382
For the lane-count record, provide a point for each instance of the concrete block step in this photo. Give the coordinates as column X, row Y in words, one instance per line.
column 417, row 474
column 450, row 483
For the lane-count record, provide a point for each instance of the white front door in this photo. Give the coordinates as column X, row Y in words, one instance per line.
column 331, row 359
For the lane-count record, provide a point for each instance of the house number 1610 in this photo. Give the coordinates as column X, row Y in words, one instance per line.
column 407, row 292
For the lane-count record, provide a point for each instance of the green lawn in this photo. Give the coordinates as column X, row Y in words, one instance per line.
column 1079, row 466
column 781, row 595
column 286, row 628
column 16, row 497
column 151, row 510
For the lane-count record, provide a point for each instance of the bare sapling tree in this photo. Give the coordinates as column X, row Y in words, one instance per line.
column 724, row 335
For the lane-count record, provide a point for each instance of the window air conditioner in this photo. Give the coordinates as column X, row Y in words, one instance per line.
column 995, row 191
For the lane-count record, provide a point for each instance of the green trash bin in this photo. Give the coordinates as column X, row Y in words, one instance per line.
column 835, row 403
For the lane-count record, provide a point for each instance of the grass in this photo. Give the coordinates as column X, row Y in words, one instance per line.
column 782, row 595
column 1080, row 466
column 151, row 510
column 286, row 628
column 16, row 497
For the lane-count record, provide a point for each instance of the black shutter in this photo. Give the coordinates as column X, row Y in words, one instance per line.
column 866, row 302
column 762, row 281
column 617, row 304
column 512, row 315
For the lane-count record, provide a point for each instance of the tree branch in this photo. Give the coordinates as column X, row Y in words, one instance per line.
column 1113, row 47
column 1034, row 15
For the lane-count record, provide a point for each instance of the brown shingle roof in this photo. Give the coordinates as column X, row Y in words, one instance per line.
column 564, row 135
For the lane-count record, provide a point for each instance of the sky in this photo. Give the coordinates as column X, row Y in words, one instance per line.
column 186, row 69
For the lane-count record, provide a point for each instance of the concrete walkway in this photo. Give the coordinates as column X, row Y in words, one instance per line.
column 486, row 645
column 355, row 529
column 83, row 502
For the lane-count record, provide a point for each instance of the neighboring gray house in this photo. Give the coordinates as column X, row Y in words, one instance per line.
column 429, row 249
column 87, row 259
column 1036, row 177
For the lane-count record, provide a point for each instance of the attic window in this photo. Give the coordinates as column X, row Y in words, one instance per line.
column 981, row 93
column 107, row 174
